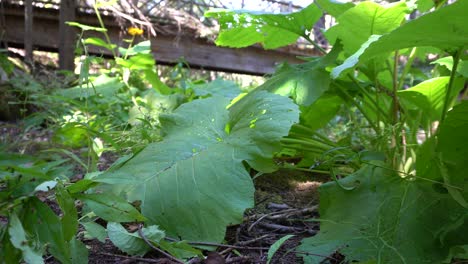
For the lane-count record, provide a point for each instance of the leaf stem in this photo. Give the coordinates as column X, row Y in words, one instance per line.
column 395, row 111
column 407, row 67
column 317, row 46
column 306, row 142
column 140, row 233
column 358, row 106
column 312, row 132
column 456, row 58
column 101, row 23
column 366, row 93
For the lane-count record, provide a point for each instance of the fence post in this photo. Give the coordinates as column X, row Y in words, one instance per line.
column 67, row 35
column 28, row 30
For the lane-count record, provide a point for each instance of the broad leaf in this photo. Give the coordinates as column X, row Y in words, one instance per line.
column 152, row 105
column 218, row 87
column 110, row 207
column 403, row 221
column 462, row 68
column 199, row 164
column 454, row 154
column 70, row 215
column 334, row 8
column 19, row 240
column 306, row 82
column 99, row 42
column 41, row 221
column 449, row 24
column 143, row 47
column 429, row 96
column 132, row 243
column 318, row 114
column 94, row 230
column 357, row 24
column 241, row 29
column 180, row 249
column 86, row 27
column 102, row 86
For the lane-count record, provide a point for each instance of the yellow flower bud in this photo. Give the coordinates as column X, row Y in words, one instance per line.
column 135, row 31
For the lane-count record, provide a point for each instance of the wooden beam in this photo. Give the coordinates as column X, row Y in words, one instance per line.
column 67, row 35
column 28, row 30
column 167, row 49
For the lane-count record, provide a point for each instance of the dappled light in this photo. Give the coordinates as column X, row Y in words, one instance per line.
column 210, row 131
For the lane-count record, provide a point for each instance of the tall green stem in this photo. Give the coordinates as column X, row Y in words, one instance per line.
column 395, row 111
column 317, row 46
column 358, row 106
column 377, row 108
column 101, row 23
column 456, row 59
column 408, row 65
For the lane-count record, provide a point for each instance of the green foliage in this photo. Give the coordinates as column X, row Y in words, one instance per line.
column 398, row 220
column 448, row 23
column 241, row 29
column 358, row 23
column 385, row 123
column 185, row 175
column 410, row 205
column 276, row 246
column 132, row 243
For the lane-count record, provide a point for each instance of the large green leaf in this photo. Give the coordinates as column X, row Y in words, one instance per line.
column 110, row 207
column 429, row 96
column 69, row 213
column 193, row 183
column 446, row 28
column 462, row 68
column 218, row 87
column 241, row 29
column 132, row 243
column 18, row 239
column 102, row 85
column 334, row 8
column 306, row 82
column 41, row 221
column 386, row 219
column 94, row 230
column 357, row 24
column 454, row 154
column 318, row 114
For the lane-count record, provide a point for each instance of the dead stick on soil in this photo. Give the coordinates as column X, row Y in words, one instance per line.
column 244, row 243
column 140, row 233
column 196, row 243
column 256, row 222
column 247, row 242
column 129, row 257
column 238, row 259
column 282, row 214
column 313, row 254
column 297, row 212
column 281, row 227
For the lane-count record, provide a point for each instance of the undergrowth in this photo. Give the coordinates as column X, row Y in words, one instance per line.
column 384, row 123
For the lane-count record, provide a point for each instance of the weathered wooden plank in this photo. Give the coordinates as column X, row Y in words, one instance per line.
column 199, row 53
column 28, row 30
column 67, row 35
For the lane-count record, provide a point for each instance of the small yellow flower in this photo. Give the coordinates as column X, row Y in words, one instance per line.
column 135, row 31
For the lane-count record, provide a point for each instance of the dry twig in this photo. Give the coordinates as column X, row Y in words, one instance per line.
column 140, row 233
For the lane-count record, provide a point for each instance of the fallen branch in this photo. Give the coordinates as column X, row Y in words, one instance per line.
column 130, row 257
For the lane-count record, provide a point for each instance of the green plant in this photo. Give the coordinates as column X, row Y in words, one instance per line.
column 393, row 189
column 391, row 198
